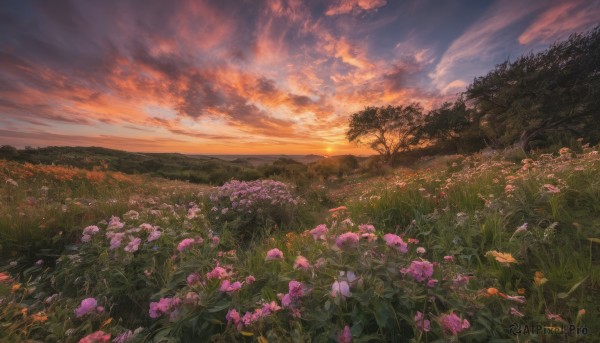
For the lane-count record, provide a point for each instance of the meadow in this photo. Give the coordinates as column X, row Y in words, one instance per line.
column 490, row 247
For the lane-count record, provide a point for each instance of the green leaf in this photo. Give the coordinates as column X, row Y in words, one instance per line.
column 220, row 306
column 575, row 286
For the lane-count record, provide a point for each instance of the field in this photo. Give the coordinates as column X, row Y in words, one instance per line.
column 489, row 247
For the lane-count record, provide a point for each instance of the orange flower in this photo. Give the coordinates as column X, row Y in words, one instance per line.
column 539, row 278
column 502, row 257
column 492, row 291
column 15, row 287
column 39, row 317
column 521, row 291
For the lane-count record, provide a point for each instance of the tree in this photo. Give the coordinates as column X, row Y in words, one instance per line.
column 553, row 92
column 387, row 130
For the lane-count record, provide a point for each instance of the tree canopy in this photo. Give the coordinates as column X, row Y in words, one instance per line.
column 387, row 130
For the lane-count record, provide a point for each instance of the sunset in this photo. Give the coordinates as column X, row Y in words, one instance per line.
column 276, row 171
column 249, row 77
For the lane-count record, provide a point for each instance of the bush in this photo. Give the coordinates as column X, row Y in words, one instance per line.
column 254, row 207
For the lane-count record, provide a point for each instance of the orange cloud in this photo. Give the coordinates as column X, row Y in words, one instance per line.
column 347, row 6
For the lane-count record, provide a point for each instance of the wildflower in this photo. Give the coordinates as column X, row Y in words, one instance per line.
column 370, row 237
column 554, row 317
column 301, row 263
column 5, row 278
column 345, row 335
column 132, row 215
column 39, row 317
column 115, row 239
column 420, row 270
column 319, row 232
column 413, row 240
column 551, row 189
column 124, row 337
column 214, row 241
column 515, row 312
column 193, row 279
column 186, row 243
column 395, row 241
column 521, row 291
column 340, row 287
column 87, row 305
column 133, row 245
column 228, row 287
column 217, row 273
column 91, row 230
column 39, row 263
column 451, row 322
column 163, row 306
column 295, row 289
column 504, row 258
column 432, row 282
column 154, row 235
column 539, row 279
column 114, row 223
column 509, row 188
column 250, row 279
column 192, row 212
column 347, row 240
column 422, row 323
column 233, row 315
column 366, row 228
column 516, row 298
column 274, row 254
column 86, row 238
column 96, row 337
column 421, row 250
column 448, row 258
column 15, row 287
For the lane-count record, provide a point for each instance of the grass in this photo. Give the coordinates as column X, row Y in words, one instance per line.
column 470, row 208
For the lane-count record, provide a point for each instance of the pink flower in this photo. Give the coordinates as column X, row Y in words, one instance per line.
column 296, row 289
column 452, row 323
column 87, row 305
column 96, row 337
column 370, row 237
column 214, row 241
column 366, row 228
column 301, row 263
column 420, row 270
column 133, row 245
column 91, row 230
column 193, row 279
column 250, row 279
column 345, row 335
column 217, row 273
column 422, row 323
column 184, row 244
column 515, row 312
column 191, row 298
column 228, row 287
column 274, row 254
column 154, row 235
column 461, row 280
column 413, row 240
column 551, row 189
column 342, row 288
column 115, row 240
column 163, row 306
column 319, row 232
column 86, row 238
column 421, row 250
column 347, row 240
column 286, row 300
column 432, row 282
column 395, row 241
column 114, row 223
column 448, row 258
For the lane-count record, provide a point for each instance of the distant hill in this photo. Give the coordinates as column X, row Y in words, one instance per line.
column 260, row 160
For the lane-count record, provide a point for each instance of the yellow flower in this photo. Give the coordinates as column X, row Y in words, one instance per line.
column 521, row 291
column 539, row 278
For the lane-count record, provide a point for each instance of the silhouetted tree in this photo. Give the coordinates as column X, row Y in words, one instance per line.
column 387, row 130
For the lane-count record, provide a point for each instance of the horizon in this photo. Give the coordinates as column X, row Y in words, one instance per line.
column 271, row 77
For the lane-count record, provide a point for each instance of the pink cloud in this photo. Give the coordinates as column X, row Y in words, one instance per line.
column 347, row 6
column 561, row 20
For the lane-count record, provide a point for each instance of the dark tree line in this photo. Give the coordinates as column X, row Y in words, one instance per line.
column 529, row 102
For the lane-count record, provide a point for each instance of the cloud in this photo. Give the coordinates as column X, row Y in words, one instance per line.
column 471, row 53
column 347, row 6
column 561, row 20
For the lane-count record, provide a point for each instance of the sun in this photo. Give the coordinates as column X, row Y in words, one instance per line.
column 329, row 149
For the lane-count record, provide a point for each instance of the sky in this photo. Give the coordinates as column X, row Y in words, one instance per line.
column 249, row 76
